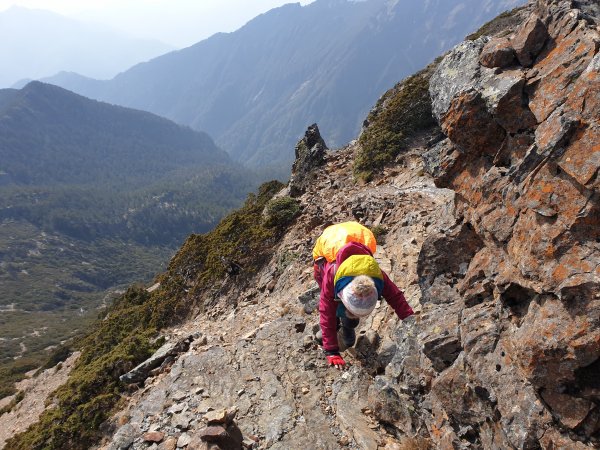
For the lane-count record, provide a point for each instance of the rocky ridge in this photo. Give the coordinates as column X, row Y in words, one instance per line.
column 492, row 233
column 261, row 359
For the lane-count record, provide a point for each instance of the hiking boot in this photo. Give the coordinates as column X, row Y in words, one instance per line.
column 348, row 336
column 319, row 337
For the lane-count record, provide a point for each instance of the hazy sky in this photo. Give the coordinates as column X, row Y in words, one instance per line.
column 177, row 22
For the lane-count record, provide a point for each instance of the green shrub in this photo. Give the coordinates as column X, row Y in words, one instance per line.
column 400, row 113
column 379, row 232
column 502, row 24
column 280, row 212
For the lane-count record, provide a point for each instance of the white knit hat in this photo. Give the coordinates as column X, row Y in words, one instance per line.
column 360, row 296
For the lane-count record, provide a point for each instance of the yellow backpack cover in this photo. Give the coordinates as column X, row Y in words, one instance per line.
column 336, row 236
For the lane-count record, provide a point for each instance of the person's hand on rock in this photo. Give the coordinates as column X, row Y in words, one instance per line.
column 337, row 361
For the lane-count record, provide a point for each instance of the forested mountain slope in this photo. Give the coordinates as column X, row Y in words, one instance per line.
column 93, row 197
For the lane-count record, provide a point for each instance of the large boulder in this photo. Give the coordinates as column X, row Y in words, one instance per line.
column 310, row 154
column 516, row 348
column 529, row 40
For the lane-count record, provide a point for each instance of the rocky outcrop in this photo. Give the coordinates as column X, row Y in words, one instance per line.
column 162, row 358
column 310, row 153
column 493, row 234
column 523, row 127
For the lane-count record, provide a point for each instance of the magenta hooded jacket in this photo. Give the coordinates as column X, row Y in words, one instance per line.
column 328, row 305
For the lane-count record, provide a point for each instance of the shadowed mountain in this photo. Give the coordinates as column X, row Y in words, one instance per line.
column 256, row 90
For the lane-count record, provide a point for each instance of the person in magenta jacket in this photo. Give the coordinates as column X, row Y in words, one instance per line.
column 342, row 301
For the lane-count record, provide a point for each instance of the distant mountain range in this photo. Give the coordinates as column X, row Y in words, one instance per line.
column 36, row 44
column 94, row 197
column 256, row 90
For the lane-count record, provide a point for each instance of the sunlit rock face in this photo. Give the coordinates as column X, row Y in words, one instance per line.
column 521, row 116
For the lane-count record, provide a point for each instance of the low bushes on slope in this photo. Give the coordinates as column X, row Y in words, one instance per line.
column 502, row 24
column 126, row 335
column 281, row 211
column 240, row 244
column 400, row 113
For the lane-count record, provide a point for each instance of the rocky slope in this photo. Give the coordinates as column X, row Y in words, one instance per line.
column 260, row 356
column 492, row 232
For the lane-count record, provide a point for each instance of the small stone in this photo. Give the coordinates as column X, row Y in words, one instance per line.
column 181, row 421
column 344, row 441
column 178, row 407
column 125, row 436
column 204, row 407
column 248, row 443
column 216, row 417
column 179, row 395
column 153, row 436
column 212, row 434
column 305, row 390
column 198, row 380
column 307, row 341
column 169, row 444
column 241, row 392
column 345, row 376
column 497, row 53
column 184, row 440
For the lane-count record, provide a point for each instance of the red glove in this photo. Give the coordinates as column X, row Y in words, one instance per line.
column 336, row 360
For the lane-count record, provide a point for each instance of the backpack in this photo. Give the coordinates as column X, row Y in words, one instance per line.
column 336, row 236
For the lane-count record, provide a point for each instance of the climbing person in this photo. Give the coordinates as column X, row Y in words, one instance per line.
column 351, row 283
